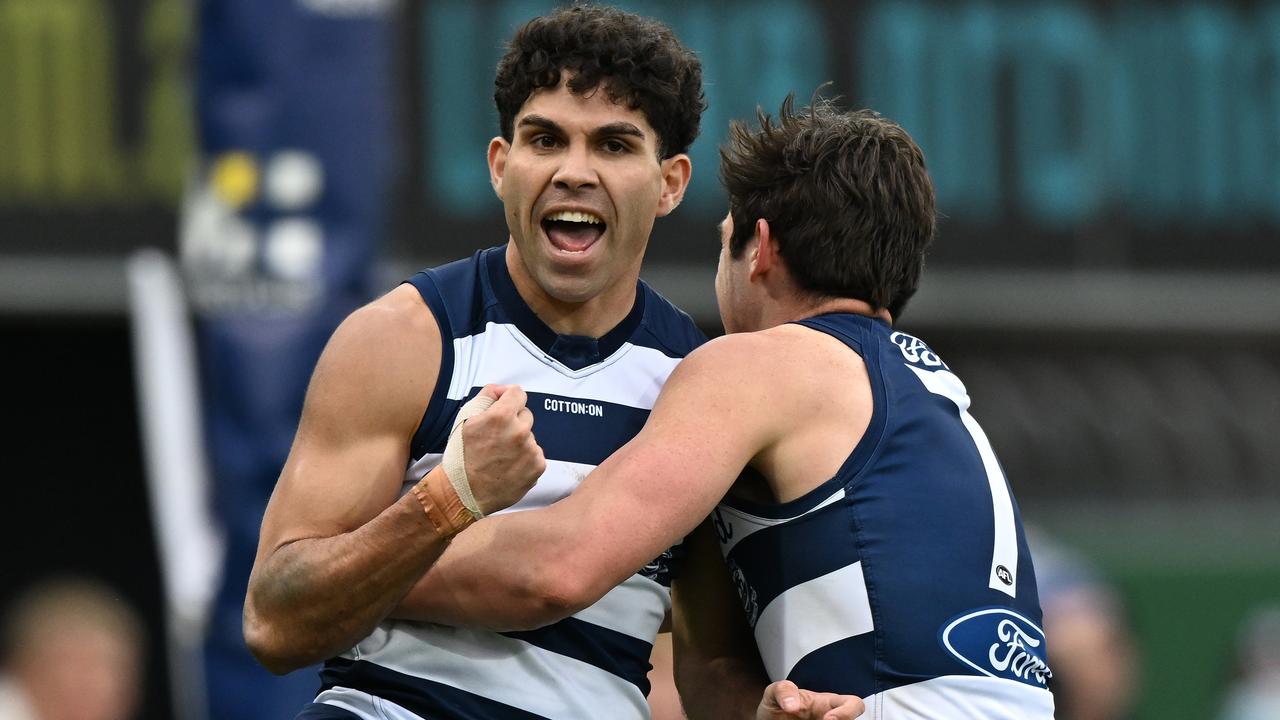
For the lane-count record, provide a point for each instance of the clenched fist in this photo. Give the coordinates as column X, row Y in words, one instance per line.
column 501, row 458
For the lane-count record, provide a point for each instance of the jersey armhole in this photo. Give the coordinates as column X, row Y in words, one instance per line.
column 430, row 429
column 862, row 340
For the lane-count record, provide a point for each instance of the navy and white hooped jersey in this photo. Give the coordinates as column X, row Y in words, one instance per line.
column 588, row 397
column 905, row 579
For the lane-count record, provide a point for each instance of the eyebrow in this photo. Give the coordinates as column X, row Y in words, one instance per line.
column 541, row 122
column 620, row 128
column 616, row 128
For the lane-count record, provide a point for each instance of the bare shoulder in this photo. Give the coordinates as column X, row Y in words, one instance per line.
column 737, row 373
column 778, row 350
column 382, row 360
column 738, row 351
column 782, row 366
column 399, row 317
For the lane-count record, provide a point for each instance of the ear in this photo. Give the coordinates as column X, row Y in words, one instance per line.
column 675, row 178
column 764, row 253
column 498, row 149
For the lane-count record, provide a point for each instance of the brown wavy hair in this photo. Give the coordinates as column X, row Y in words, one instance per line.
column 846, row 194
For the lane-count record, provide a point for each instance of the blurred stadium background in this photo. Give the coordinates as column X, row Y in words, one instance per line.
column 1107, row 278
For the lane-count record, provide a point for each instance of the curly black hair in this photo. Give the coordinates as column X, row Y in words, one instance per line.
column 847, row 197
column 635, row 59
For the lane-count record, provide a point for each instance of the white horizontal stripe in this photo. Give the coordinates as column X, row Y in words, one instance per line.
column 364, row 705
column 740, row 525
column 506, row 670
column 631, row 376
column 420, row 467
column 354, row 701
column 962, row 697
column 812, row 615
column 559, row 479
column 636, row 608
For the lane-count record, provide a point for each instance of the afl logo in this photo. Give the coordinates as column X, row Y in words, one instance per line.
column 999, row 643
column 1005, row 576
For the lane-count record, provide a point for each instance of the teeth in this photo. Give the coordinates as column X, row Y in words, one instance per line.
column 574, row 216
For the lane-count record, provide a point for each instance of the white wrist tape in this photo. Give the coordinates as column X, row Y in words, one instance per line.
column 454, row 462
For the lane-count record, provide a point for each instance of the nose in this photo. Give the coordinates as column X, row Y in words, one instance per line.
column 576, row 171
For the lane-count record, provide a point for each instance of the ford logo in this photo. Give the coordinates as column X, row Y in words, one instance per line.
column 999, row 643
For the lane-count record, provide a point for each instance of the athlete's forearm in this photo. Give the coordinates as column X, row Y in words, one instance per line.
column 316, row 597
column 528, row 569
column 502, row 574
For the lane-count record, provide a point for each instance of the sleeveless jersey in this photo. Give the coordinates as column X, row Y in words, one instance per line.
column 905, row 579
column 589, row 397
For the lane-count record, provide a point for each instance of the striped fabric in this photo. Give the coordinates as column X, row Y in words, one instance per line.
column 905, row 579
column 588, row 397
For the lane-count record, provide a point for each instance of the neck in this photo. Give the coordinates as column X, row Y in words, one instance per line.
column 593, row 317
column 799, row 310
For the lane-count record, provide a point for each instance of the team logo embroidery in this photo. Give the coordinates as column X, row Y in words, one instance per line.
column 659, row 569
column 916, row 351
column 999, row 643
column 746, row 593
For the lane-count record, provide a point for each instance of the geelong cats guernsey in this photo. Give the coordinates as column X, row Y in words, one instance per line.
column 589, row 397
column 905, row 579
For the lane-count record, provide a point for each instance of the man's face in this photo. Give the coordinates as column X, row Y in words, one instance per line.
column 581, row 185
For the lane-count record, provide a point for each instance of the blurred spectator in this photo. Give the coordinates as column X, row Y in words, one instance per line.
column 1255, row 695
column 72, row 651
column 1091, row 647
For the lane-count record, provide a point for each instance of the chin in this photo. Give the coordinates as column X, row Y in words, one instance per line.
column 572, row 292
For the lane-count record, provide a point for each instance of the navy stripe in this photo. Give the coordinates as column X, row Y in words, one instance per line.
column 846, row 667
column 803, row 546
column 569, row 429
column 321, row 711
column 434, row 435
column 571, row 433
column 609, row 650
column 419, row 696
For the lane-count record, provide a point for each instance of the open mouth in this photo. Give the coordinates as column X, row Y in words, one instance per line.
column 573, row 231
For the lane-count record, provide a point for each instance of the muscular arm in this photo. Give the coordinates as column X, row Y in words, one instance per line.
column 339, row 547
column 528, row 569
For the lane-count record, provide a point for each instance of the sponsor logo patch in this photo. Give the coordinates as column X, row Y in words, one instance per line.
column 573, row 407
column 999, row 643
